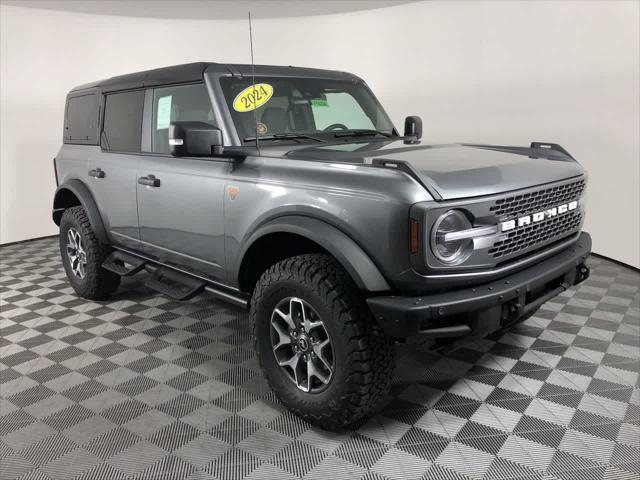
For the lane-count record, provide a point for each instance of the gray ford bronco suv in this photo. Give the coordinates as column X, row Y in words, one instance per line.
column 288, row 191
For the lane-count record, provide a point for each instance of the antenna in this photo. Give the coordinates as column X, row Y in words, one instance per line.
column 253, row 81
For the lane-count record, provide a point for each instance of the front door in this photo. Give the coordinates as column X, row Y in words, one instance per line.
column 180, row 200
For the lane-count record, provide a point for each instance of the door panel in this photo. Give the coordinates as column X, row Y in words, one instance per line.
column 114, row 189
column 111, row 175
column 180, row 200
column 181, row 219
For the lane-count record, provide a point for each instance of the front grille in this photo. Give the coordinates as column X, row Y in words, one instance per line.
column 522, row 204
column 536, row 233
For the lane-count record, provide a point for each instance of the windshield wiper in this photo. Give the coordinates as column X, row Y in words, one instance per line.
column 361, row 133
column 283, row 136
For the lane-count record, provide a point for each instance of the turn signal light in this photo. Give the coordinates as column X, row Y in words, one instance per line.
column 413, row 236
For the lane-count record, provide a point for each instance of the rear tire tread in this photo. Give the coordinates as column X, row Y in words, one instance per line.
column 98, row 282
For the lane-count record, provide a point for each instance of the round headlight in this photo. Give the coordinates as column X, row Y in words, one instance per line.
column 450, row 250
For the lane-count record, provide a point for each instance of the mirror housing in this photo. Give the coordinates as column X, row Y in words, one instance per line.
column 194, row 139
column 413, row 129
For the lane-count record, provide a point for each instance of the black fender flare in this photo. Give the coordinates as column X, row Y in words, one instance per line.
column 358, row 264
column 82, row 193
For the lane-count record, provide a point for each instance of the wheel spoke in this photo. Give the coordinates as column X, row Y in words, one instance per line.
column 318, row 350
column 71, row 241
column 292, row 363
column 296, row 311
column 286, row 318
column 309, row 325
column 312, row 371
column 283, row 337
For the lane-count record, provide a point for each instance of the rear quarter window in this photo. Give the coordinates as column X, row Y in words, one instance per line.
column 81, row 119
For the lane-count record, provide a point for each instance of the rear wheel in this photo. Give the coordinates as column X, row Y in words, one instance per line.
column 82, row 256
column 321, row 351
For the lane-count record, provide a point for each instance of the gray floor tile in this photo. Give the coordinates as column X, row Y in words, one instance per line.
column 140, row 386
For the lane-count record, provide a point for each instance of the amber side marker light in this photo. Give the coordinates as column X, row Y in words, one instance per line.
column 413, row 236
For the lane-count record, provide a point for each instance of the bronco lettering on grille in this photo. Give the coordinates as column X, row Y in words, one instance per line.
column 538, row 216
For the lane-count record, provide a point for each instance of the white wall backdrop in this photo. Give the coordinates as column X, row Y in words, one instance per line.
column 486, row 72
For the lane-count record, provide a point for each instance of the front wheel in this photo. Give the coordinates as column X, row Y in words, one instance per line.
column 321, row 351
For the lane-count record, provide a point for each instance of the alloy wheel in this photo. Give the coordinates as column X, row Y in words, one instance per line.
column 301, row 345
column 75, row 252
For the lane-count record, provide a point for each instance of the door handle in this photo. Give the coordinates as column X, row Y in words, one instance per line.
column 149, row 181
column 97, row 173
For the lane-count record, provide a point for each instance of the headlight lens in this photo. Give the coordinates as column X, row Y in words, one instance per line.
column 451, row 252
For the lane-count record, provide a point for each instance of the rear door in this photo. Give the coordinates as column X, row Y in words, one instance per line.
column 111, row 174
column 181, row 214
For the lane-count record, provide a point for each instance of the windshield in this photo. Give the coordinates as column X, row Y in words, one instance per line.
column 285, row 108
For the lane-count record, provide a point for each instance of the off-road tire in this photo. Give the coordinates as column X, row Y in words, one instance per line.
column 98, row 283
column 363, row 354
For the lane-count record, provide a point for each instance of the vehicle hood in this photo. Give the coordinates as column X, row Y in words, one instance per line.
column 456, row 170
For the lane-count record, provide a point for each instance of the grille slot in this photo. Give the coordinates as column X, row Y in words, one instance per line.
column 521, row 204
column 530, row 235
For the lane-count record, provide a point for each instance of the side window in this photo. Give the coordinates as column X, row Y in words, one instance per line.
column 343, row 109
column 175, row 104
column 81, row 120
column 122, row 130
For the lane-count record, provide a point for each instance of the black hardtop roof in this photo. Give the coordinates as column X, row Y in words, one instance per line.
column 193, row 72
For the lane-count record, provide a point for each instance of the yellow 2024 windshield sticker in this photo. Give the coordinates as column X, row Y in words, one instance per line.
column 252, row 97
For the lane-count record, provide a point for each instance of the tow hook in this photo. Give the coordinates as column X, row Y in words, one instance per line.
column 582, row 273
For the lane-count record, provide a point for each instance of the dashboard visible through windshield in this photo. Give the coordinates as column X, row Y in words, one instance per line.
column 288, row 108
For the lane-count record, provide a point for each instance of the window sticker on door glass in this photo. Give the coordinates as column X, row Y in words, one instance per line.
column 252, row 97
column 163, row 113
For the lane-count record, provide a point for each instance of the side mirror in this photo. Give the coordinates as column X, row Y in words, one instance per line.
column 194, row 139
column 413, row 129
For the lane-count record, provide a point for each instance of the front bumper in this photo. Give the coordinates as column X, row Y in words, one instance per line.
column 441, row 318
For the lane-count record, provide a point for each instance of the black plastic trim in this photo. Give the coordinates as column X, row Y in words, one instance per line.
column 551, row 146
column 407, row 168
column 83, row 194
column 550, row 151
column 406, row 317
column 191, row 72
column 349, row 254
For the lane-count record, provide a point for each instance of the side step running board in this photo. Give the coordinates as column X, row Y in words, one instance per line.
column 175, row 284
column 236, row 299
column 123, row 264
column 166, row 280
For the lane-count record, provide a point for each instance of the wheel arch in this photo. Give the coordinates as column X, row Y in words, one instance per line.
column 279, row 237
column 75, row 193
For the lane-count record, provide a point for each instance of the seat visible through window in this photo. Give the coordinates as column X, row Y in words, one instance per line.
column 275, row 119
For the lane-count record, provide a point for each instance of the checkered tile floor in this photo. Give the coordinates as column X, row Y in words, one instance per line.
column 141, row 386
